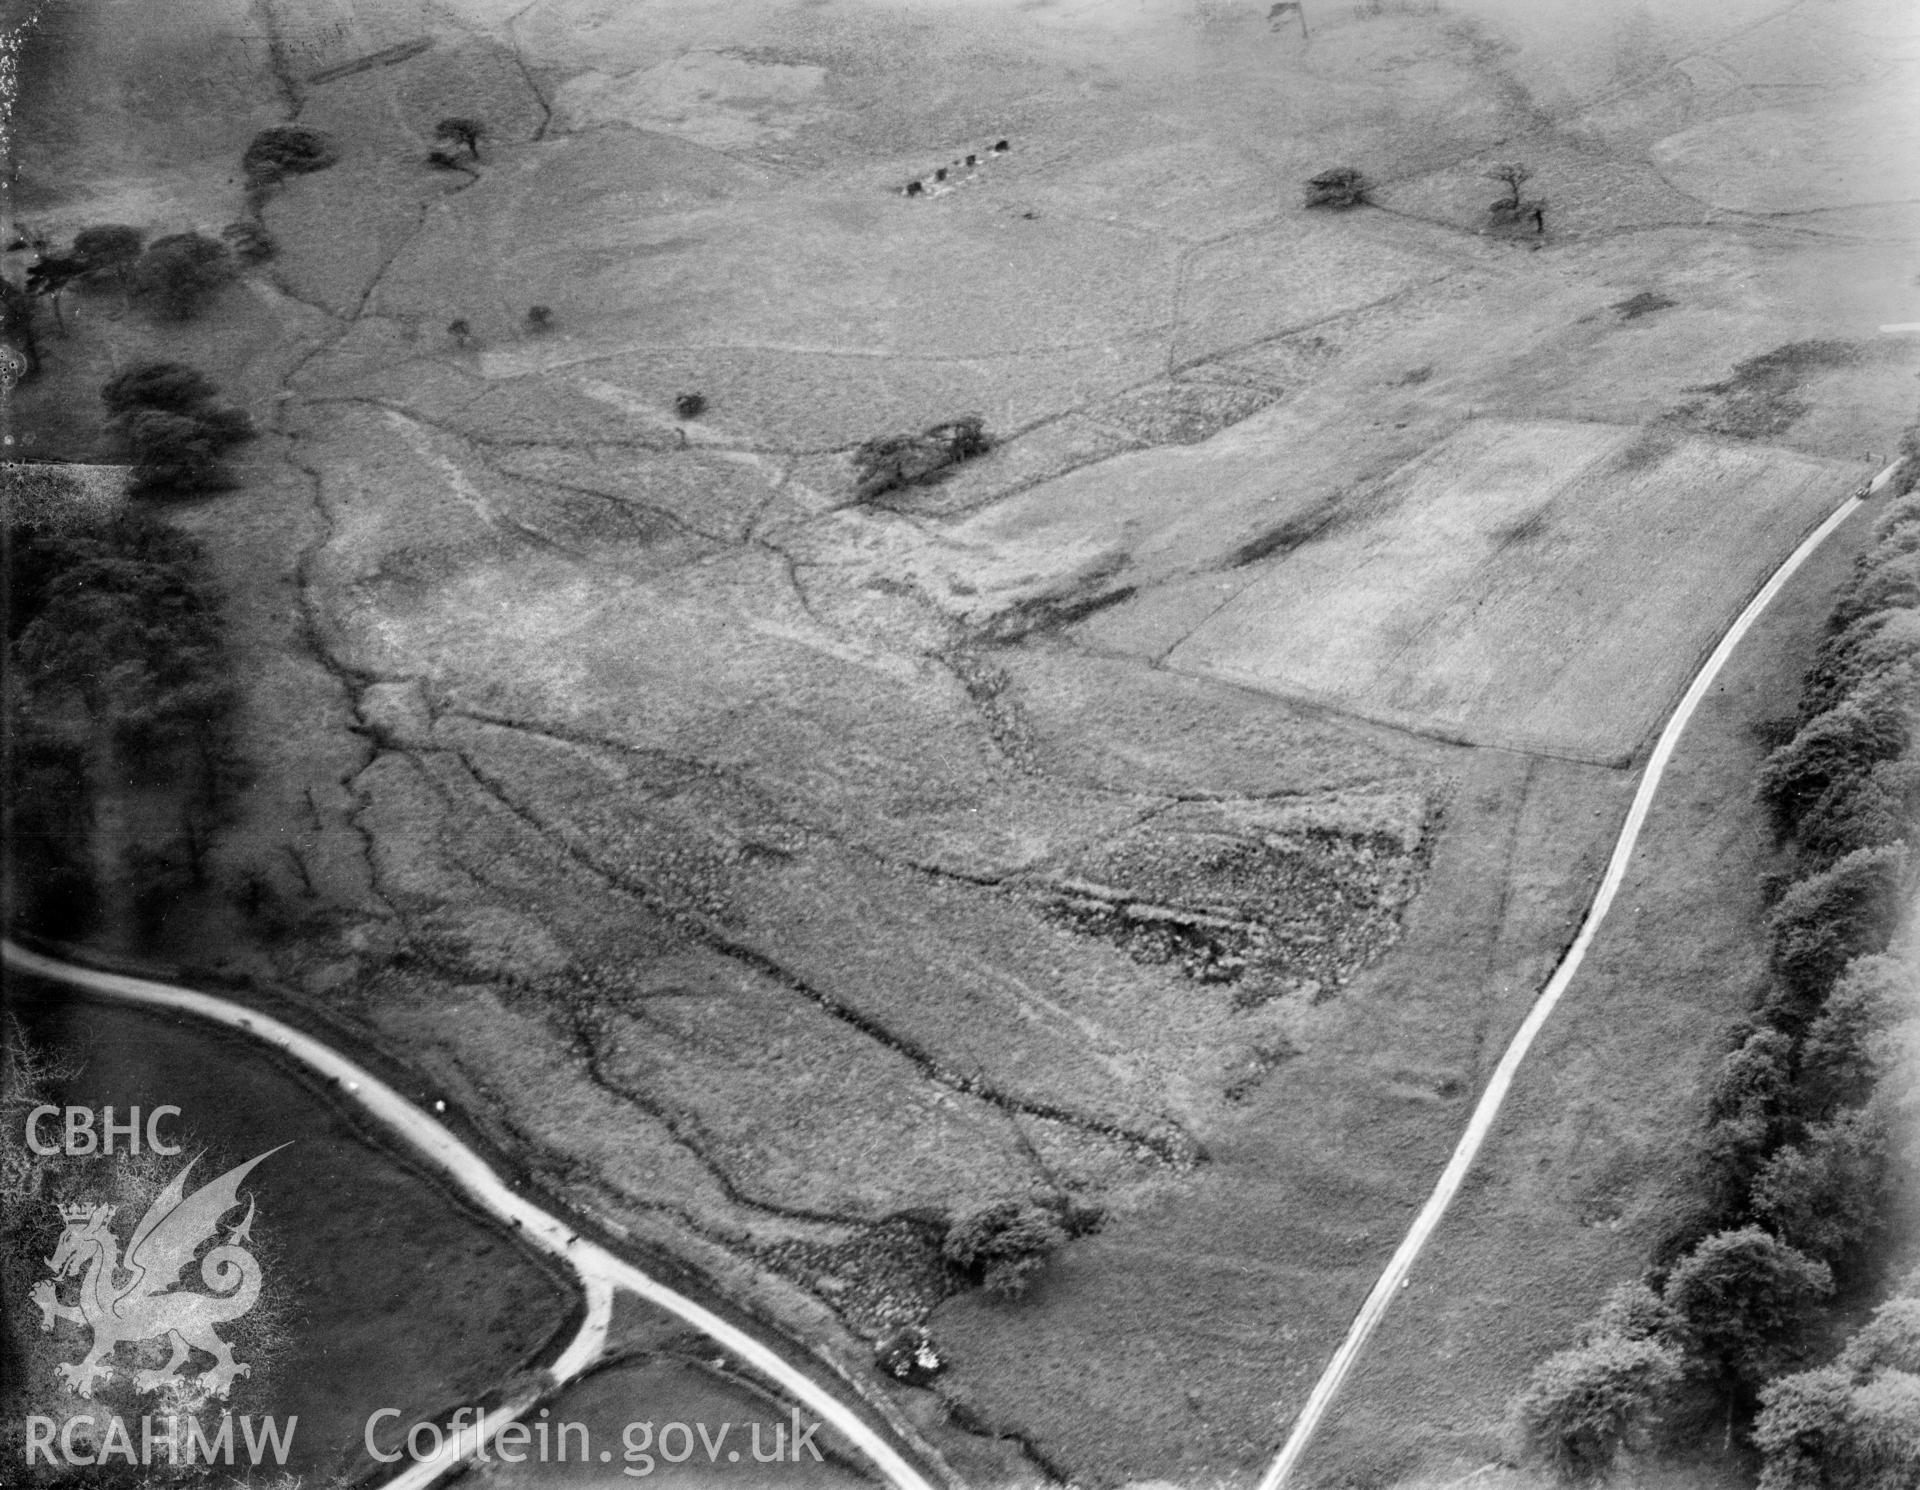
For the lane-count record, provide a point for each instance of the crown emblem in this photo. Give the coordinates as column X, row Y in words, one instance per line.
column 75, row 1213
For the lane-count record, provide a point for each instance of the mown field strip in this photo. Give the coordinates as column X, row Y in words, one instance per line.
column 599, row 1271
column 1488, row 1108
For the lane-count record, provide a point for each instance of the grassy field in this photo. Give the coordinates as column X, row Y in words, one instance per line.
column 1535, row 586
column 1176, row 808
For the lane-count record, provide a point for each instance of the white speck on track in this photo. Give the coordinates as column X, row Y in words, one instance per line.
column 1395, row 1277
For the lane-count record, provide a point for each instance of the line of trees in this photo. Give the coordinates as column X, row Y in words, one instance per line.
column 117, row 680
column 173, row 277
column 1794, row 1155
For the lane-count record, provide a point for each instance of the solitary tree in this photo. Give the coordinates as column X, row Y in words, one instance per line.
column 462, row 131
column 1512, row 175
column 690, row 405
column 48, row 276
column 539, row 318
column 461, row 332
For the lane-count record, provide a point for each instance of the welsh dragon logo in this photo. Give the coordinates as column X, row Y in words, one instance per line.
column 147, row 1305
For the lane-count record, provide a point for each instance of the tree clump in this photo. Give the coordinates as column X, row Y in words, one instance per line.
column 1582, row 1406
column 1827, row 919
column 1340, row 187
column 1741, row 1299
column 108, row 246
column 116, row 674
column 889, row 462
column 1750, row 1113
column 1854, row 1424
column 175, row 427
column 1834, row 750
column 1861, row 651
column 158, row 385
column 287, row 150
column 1851, row 1044
column 104, row 251
column 178, row 274
column 1003, row 1244
column 1823, row 1195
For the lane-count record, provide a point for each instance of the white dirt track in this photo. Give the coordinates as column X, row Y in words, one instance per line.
column 1395, row 1276
column 601, row 1274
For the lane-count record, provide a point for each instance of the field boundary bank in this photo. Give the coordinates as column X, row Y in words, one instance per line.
column 599, row 1273
column 1493, row 1096
column 1409, row 724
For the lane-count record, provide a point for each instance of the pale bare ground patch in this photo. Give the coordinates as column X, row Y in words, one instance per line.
column 1537, row 585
